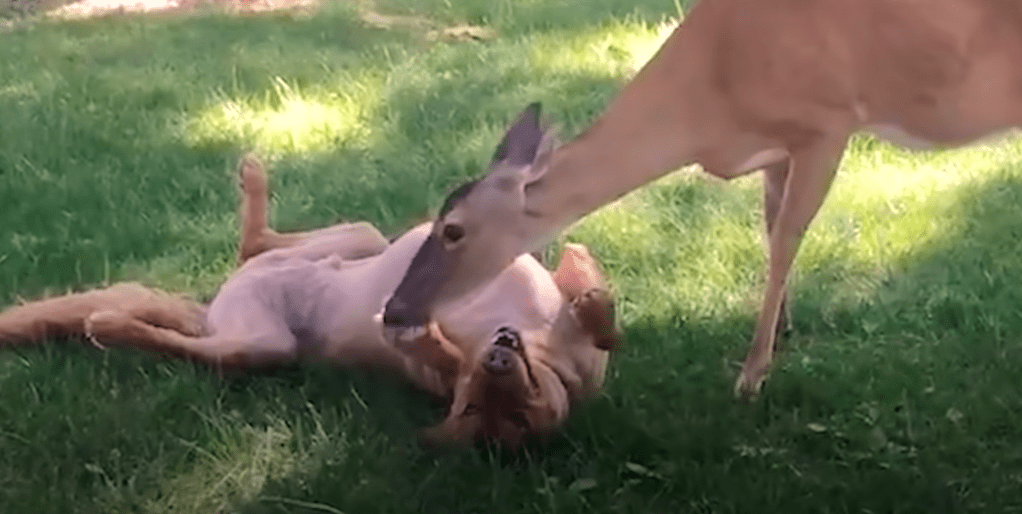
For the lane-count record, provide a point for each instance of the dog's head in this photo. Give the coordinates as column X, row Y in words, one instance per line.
column 522, row 350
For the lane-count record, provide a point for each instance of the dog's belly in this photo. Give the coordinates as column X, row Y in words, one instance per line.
column 303, row 297
column 324, row 311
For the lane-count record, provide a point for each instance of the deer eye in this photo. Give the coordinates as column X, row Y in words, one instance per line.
column 453, row 233
column 470, row 409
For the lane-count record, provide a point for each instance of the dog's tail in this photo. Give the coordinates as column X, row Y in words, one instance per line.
column 64, row 316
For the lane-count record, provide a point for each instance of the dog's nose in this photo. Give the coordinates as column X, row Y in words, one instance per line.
column 500, row 360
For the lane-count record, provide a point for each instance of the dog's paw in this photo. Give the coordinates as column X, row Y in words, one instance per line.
column 100, row 325
column 594, row 310
column 252, row 176
column 113, row 326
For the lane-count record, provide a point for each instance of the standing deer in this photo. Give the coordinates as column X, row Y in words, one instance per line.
column 739, row 86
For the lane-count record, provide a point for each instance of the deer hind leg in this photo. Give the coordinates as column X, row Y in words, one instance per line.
column 809, row 178
column 774, row 178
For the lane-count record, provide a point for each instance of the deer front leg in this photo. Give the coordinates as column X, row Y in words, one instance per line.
column 809, row 177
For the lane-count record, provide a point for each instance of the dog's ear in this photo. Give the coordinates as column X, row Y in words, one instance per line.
column 452, row 431
column 549, row 409
column 580, row 280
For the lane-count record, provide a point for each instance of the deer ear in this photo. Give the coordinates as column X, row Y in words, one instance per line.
column 524, row 153
column 522, row 140
column 547, row 145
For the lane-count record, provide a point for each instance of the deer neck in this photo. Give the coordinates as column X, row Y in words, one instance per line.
column 657, row 124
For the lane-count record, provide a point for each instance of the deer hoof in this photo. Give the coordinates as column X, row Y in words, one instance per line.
column 749, row 384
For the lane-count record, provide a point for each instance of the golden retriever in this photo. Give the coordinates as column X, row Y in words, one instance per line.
column 512, row 357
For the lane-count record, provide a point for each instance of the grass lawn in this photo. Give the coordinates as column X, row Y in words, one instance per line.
column 897, row 391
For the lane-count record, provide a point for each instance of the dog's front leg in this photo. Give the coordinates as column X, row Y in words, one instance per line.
column 438, row 352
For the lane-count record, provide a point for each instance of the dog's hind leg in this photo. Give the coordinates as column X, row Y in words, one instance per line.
column 224, row 350
column 34, row 322
column 65, row 316
column 254, row 191
column 160, row 308
column 347, row 241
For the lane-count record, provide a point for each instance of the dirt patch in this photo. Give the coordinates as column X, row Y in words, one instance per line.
column 89, row 8
column 431, row 31
column 77, row 9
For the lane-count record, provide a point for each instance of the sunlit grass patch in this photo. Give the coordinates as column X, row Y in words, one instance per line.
column 682, row 260
column 693, row 246
column 616, row 50
column 884, row 213
column 19, row 91
column 288, row 120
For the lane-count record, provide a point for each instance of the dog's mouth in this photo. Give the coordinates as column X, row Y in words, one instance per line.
column 509, row 338
column 507, row 342
column 403, row 337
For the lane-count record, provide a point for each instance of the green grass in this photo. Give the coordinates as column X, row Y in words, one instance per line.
column 898, row 390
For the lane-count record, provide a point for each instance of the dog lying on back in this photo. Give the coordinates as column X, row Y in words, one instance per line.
column 511, row 357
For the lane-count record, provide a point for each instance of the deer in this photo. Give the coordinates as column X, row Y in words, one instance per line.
column 739, row 86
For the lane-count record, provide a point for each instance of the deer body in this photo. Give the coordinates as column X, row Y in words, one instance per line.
column 744, row 85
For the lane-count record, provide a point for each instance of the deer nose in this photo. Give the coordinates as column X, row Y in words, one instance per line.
column 399, row 313
column 394, row 318
column 500, row 360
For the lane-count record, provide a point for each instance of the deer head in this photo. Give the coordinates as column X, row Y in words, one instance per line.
column 481, row 228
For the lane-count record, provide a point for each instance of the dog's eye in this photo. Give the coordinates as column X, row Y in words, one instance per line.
column 519, row 419
column 453, row 233
column 470, row 409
